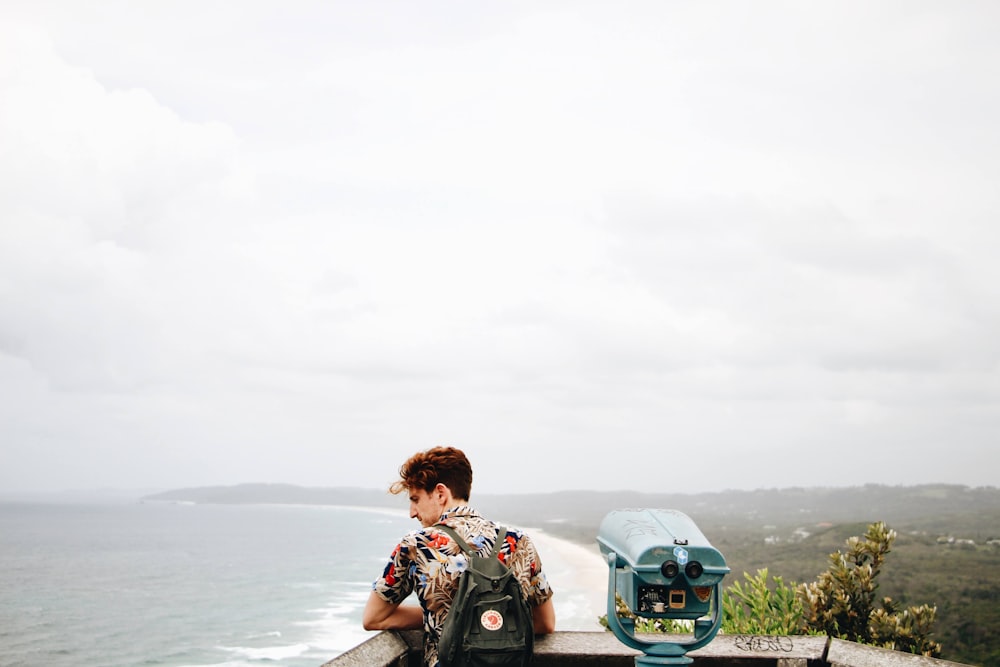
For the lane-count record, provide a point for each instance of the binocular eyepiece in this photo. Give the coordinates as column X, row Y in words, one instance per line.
column 692, row 570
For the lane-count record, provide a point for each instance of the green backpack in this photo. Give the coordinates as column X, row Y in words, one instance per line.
column 489, row 623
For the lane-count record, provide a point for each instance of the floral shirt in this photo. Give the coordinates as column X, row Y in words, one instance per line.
column 429, row 562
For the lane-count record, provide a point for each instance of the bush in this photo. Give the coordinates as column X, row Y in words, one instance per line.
column 647, row 625
column 842, row 602
column 756, row 609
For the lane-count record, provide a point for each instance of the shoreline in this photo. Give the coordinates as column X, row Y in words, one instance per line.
column 578, row 575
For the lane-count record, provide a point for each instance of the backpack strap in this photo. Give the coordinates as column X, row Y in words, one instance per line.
column 497, row 543
column 464, row 546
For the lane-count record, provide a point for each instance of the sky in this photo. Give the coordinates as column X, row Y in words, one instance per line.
column 662, row 246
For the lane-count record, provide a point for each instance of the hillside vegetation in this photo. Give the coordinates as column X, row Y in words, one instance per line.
column 792, row 532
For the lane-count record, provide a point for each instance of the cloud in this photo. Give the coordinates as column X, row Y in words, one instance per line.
column 304, row 244
column 104, row 190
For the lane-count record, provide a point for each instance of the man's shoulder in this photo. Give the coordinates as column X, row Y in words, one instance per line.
column 415, row 537
column 512, row 539
column 520, row 544
column 432, row 533
column 514, row 531
column 466, row 518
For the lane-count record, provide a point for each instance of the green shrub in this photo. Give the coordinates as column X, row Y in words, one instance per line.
column 842, row 602
column 647, row 625
column 757, row 609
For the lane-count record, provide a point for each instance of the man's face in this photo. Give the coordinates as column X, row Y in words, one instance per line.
column 426, row 507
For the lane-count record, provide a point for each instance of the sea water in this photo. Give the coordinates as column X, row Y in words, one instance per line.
column 130, row 583
column 172, row 584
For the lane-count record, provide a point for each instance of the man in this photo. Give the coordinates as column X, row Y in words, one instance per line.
column 429, row 562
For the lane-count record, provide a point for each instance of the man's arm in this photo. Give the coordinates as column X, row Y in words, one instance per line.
column 382, row 615
column 543, row 618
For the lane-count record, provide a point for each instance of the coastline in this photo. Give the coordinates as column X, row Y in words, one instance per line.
column 579, row 579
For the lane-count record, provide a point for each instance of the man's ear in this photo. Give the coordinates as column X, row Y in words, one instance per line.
column 442, row 492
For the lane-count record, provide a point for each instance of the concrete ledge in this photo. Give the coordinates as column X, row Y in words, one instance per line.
column 386, row 648
column 589, row 649
column 562, row 649
column 848, row 654
column 759, row 647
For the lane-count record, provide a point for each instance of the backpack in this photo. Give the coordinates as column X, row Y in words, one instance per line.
column 489, row 623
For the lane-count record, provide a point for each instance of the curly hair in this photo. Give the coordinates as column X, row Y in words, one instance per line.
column 438, row 465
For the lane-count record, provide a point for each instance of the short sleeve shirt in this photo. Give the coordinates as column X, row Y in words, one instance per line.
column 429, row 562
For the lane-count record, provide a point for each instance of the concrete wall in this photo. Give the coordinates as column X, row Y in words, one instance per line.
column 572, row 649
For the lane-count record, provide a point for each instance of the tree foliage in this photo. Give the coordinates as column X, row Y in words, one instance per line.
column 843, row 602
column 758, row 608
column 646, row 625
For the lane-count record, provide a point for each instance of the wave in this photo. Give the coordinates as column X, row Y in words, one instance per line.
column 336, row 629
column 268, row 652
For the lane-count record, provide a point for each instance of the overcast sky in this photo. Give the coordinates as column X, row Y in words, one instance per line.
column 652, row 245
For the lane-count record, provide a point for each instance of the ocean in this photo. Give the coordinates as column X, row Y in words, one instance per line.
column 123, row 584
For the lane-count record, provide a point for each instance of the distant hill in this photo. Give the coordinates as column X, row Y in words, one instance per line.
column 278, row 494
column 930, row 505
column 577, row 514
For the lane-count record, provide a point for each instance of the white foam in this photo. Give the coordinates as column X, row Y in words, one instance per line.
column 268, row 652
column 334, row 610
column 335, row 634
column 337, row 626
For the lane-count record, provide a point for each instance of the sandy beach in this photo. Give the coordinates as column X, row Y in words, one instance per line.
column 579, row 577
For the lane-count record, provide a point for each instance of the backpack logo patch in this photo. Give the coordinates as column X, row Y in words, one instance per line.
column 491, row 620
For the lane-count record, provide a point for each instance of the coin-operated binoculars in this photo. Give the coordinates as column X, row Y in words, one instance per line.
column 663, row 567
